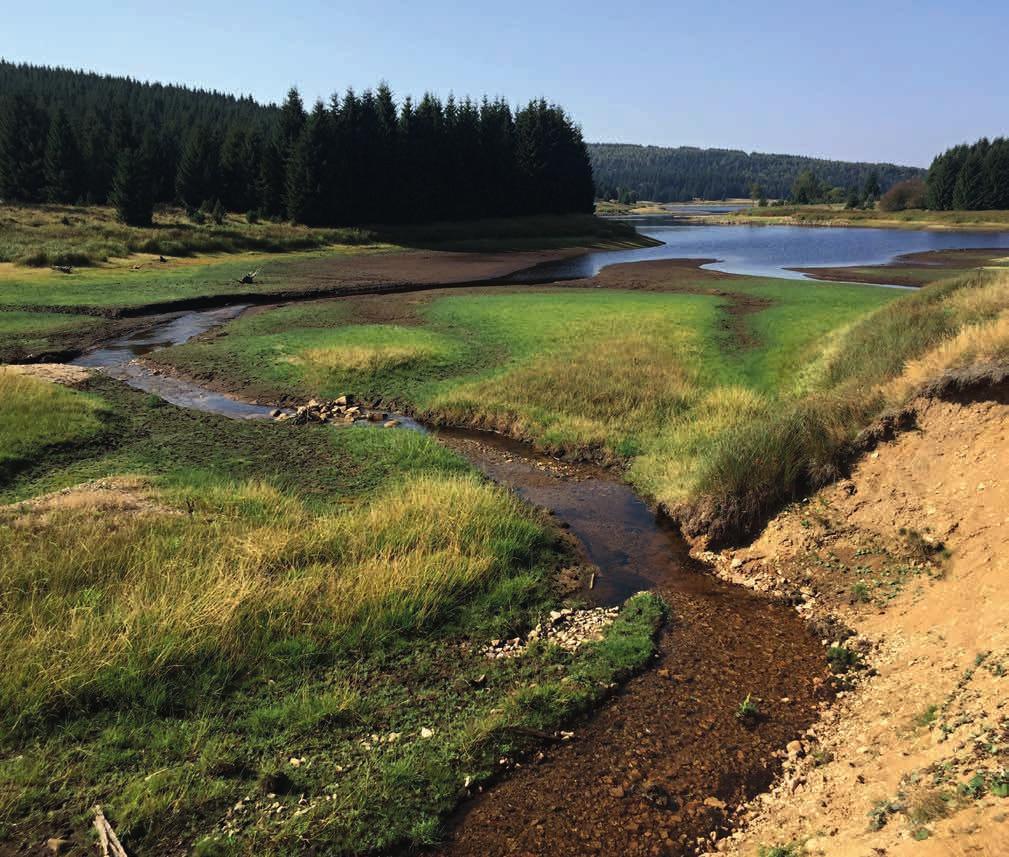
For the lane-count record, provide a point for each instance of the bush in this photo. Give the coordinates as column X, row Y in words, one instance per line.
column 904, row 195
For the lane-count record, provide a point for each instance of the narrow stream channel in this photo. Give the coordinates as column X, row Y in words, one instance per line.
column 672, row 727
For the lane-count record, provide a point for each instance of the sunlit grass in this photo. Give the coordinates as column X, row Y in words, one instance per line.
column 131, row 605
column 35, row 415
column 40, row 236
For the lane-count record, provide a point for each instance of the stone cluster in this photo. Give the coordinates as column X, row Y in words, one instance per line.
column 567, row 628
column 342, row 409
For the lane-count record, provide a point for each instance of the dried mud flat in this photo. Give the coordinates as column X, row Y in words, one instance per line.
column 910, row 269
column 912, row 760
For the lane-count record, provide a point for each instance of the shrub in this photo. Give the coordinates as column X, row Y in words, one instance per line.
column 904, row 195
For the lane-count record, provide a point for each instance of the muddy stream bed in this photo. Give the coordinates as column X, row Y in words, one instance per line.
column 658, row 769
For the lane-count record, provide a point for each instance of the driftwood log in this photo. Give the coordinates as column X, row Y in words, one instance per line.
column 107, row 839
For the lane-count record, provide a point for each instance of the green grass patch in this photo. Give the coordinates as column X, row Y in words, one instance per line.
column 263, row 615
column 670, row 380
column 37, row 416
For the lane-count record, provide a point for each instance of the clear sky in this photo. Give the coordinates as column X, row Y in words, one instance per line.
column 883, row 80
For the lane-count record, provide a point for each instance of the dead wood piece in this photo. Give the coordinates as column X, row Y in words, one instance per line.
column 109, row 842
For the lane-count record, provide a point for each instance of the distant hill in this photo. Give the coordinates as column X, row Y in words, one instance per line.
column 677, row 174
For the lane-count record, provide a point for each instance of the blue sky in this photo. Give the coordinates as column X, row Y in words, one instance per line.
column 894, row 81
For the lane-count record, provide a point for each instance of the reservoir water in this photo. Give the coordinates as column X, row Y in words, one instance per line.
column 765, row 251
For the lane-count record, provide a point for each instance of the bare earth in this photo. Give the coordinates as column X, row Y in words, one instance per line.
column 942, row 641
column 59, row 373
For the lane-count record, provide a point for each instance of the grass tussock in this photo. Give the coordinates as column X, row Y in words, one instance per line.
column 41, row 236
column 36, row 415
column 879, row 363
column 131, row 608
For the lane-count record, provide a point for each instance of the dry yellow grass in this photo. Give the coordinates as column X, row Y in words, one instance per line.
column 104, row 606
column 360, row 358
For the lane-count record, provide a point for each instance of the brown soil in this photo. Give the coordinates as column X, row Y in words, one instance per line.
column 936, row 630
column 68, row 344
column 910, row 269
column 659, row 767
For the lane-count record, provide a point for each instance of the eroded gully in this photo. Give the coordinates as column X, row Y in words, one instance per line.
column 658, row 769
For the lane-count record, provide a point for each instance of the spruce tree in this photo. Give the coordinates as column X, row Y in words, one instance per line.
column 64, row 163
column 871, row 190
column 23, row 132
column 969, row 192
column 307, row 181
column 198, row 179
column 131, row 190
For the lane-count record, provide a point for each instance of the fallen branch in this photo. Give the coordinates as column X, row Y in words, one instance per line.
column 529, row 732
column 110, row 844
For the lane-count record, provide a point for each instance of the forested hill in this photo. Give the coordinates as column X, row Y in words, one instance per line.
column 69, row 136
column 684, row 173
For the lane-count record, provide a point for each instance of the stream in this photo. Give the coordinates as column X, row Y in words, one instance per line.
column 673, row 724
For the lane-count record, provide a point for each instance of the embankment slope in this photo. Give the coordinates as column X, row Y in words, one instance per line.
column 910, row 761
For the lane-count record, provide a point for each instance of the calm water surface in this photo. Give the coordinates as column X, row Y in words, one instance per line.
column 766, row 251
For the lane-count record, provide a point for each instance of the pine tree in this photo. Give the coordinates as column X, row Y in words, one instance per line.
column 292, row 121
column 969, row 192
column 871, row 190
column 996, row 175
column 307, row 185
column 131, row 190
column 272, row 177
column 198, row 179
column 64, row 163
column 23, row 132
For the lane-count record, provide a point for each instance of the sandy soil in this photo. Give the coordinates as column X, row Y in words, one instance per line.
column 59, row 373
column 899, row 752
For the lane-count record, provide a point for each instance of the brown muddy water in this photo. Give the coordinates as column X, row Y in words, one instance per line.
column 658, row 769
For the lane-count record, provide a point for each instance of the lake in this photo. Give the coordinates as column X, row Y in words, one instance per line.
column 766, row 251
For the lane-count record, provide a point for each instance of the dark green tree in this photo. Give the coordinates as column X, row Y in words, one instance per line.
column 807, row 188
column 969, row 192
column 307, row 181
column 131, row 190
column 198, row 179
column 871, row 190
column 64, row 162
column 23, row 134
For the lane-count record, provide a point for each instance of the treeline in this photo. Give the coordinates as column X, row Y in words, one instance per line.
column 69, row 137
column 685, row 173
column 970, row 177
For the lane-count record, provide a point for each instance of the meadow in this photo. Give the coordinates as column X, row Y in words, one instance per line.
column 276, row 618
column 648, row 378
column 721, row 405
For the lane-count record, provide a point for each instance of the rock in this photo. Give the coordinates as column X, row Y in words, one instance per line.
column 714, row 803
column 276, row 412
column 426, row 733
column 794, row 748
column 390, row 424
column 57, row 845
